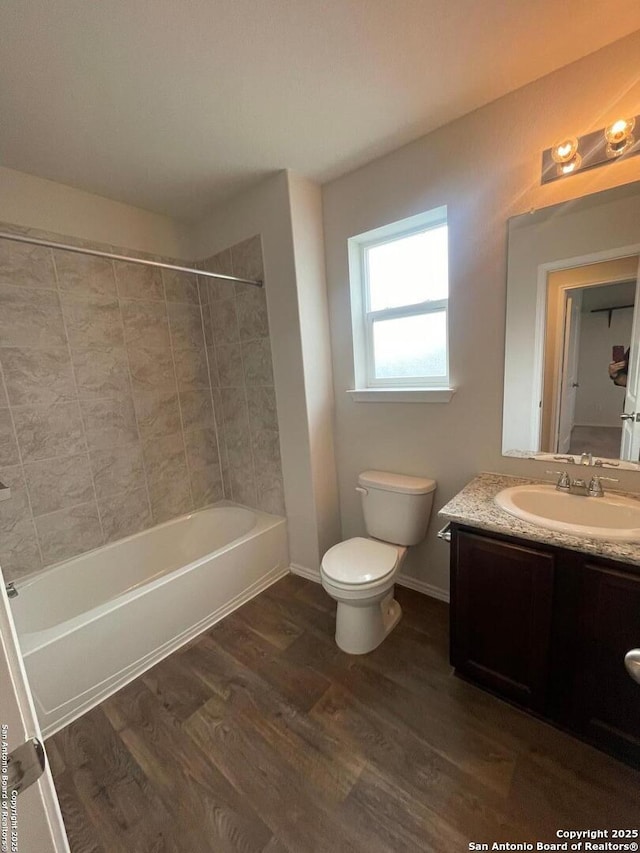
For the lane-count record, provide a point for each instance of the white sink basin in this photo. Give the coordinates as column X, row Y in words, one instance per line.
column 612, row 517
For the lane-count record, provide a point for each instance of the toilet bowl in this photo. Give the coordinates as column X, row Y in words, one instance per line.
column 359, row 573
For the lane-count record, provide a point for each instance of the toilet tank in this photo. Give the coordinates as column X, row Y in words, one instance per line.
column 396, row 507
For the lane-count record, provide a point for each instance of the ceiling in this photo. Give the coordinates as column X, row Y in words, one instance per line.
column 175, row 105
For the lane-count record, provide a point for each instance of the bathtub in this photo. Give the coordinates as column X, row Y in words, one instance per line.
column 90, row 625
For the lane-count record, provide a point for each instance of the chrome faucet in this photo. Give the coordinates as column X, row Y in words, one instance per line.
column 579, row 486
column 12, row 592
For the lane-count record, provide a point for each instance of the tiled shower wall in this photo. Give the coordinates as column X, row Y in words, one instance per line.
column 106, row 417
column 239, row 353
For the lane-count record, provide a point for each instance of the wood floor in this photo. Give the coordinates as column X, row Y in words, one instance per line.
column 262, row 736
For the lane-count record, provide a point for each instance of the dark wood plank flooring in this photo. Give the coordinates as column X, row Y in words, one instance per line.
column 261, row 735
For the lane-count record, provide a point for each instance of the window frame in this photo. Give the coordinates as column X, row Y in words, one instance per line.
column 363, row 318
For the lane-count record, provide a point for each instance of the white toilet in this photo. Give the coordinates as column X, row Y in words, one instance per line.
column 359, row 573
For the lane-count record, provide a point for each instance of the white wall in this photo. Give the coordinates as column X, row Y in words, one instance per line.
column 599, row 402
column 485, row 168
column 294, row 279
column 34, row 202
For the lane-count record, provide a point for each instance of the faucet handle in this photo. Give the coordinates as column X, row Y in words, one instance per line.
column 595, row 489
column 564, row 481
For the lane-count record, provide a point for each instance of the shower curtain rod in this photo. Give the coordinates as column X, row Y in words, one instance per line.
column 19, row 238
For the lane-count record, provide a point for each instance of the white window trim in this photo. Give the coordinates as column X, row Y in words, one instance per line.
column 368, row 387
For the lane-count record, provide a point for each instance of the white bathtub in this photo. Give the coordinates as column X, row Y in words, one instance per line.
column 91, row 624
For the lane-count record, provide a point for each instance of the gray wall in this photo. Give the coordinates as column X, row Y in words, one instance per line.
column 106, row 418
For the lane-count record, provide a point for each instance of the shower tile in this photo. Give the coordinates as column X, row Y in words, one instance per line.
column 211, row 289
column 240, row 455
column 266, row 449
column 196, row 409
column 158, row 413
column 101, row 371
column 17, row 507
column 109, row 423
column 54, row 484
column 30, row 318
column 85, row 275
column 138, row 282
column 202, row 448
column 180, row 287
column 230, row 370
column 117, row 470
column 256, row 357
column 69, row 532
column 270, row 493
column 168, row 477
column 207, row 325
column 19, row 551
column 47, row 431
column 125, row 514
column 224, row 320
column 185, row 323
column 37, row 376
column 234, row 409
column 4, row 402
column 243, row 485
column 8, row 448
column 252, row 314
column 151, row 369
column 94, row 321
column 213, row 367
column 247, row 258
column 145, row 323
column 263, row 413
column 192, row 371
column 23, row 265
column 206, row 486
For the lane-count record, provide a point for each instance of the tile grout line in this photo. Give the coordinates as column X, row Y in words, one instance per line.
column 133, row 403
column 77, row 400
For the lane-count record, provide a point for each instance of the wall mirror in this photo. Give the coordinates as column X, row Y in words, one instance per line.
column 572, row 354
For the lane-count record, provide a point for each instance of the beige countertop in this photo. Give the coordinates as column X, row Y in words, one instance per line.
column 474, row 507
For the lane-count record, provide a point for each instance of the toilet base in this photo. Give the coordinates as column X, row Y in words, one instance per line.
column 361, row 627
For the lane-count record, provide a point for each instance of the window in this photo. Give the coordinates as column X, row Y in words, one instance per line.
column 399, row 299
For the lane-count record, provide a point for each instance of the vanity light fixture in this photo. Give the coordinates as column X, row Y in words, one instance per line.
column 575, row 154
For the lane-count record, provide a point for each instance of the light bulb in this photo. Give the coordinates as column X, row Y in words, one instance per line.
column 565, row 151
column 619, row 136
column 571, row 166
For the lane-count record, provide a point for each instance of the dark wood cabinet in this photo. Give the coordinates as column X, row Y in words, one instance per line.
column 504, row 597
column 547, row 629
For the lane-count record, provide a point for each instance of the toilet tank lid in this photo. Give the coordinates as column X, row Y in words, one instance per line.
column 403, row 483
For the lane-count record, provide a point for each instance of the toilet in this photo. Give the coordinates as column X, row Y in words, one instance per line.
column 360, row 573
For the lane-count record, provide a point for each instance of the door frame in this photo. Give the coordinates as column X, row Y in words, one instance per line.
column 39, row 804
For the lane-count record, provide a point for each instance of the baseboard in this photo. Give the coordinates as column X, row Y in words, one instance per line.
column 304, row 572
column 423, row 587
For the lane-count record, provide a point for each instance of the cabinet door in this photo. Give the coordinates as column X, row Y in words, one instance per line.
column 501, row 614
column 606, row 699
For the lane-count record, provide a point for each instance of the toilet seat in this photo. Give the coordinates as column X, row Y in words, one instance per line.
column 359, row 561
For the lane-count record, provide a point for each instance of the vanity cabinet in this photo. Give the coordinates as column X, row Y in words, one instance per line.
column 548, row 629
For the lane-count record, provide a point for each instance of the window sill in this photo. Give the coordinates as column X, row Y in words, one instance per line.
column 401, row 395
